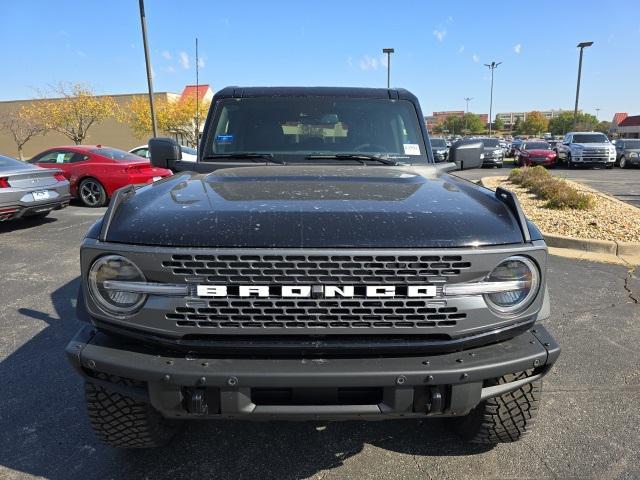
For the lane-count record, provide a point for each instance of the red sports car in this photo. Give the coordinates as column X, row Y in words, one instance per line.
column 536, row 153
column 95, row 172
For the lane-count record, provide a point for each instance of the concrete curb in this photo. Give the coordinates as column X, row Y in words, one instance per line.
column 608, row 247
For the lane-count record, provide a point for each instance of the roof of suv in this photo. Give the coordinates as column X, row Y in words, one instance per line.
column 352, row 92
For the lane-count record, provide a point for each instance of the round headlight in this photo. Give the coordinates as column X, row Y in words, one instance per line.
column 115, row 268
column 514, row 269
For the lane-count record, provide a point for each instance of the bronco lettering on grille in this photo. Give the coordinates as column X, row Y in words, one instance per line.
column 322, row 291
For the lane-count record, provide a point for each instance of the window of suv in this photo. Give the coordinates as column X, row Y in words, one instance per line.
column 438, row 143
column 491, row 142
column 590, row 138
column 295, row 127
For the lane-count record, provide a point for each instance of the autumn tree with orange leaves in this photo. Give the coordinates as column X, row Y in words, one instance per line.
column 173, row 117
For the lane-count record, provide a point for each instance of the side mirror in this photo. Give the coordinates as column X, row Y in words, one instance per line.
column 164, row 152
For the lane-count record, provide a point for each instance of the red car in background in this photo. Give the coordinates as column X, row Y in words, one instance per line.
column 95, row 172
column 535, row 153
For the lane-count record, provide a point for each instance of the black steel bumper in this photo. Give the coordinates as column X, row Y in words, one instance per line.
column 189, row 386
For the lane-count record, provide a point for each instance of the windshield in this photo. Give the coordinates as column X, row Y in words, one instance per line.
column 292, row 128
column 537, row 146
column 491, row 142
column 632, row 144
column 7, row 163
column 438, row 143
column 189, row 150
column 590, row 138
column 118, row 155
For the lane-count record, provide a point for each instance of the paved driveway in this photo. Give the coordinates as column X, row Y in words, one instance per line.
column 588, row 427
column 622, row 184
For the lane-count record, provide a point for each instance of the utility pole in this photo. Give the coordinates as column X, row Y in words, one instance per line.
column 197, row 99
column 581, row 46
column 467, row 99
column 492, row 66
column 597, row 112
column 143, row 21
column 388, row 51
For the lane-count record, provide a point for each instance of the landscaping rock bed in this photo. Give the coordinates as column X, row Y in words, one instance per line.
column 608, row 219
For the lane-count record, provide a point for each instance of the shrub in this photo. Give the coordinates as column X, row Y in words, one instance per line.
column 558, row 193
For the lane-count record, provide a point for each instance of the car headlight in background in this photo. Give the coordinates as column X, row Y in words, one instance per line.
column 104, row 277
column 525, row 276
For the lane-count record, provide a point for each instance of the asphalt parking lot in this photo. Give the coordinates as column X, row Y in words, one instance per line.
column 588, row 427
column 622, row 184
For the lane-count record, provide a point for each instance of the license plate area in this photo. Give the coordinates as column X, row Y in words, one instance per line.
column 40, row 195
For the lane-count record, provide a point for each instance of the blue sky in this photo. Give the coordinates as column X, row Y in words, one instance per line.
column 440, row 48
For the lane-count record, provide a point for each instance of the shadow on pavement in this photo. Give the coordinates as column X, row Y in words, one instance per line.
column 22, row 223
column 45, row 431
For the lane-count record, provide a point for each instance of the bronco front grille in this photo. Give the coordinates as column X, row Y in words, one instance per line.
column 317, row 313
column 316, row 269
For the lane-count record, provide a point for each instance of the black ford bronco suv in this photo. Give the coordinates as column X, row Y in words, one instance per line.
column 314, row 263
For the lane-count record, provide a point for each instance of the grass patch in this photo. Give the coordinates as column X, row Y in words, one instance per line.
column 557, row 193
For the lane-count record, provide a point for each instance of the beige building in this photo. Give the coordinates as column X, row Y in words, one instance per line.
column 111, row 132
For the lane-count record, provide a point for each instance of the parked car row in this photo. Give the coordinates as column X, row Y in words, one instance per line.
column 90, row 173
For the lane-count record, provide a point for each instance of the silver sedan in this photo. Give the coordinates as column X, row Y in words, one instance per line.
column 30, row 191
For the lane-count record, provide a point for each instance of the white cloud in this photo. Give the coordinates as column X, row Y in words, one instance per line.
column 383, row 61
column 461, row 49
column 440, row 34
column 184, row 60
column 517, row 47
column 167, row 55
column 350, row 62
column 80, row 53
column 201, row 62
column 170, row 69
column 369, row 63
column 450, row 19
column 475, row 58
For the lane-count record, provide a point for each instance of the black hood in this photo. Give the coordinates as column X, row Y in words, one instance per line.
column 325, row 206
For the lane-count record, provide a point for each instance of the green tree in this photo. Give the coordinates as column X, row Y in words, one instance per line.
column 586, row 122
column 603, row 127
column 498, row 124
column 535, row 123
column 561, row 124
column 517, row 127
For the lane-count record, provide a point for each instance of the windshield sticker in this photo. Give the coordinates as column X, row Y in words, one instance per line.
column 411, row 148
column 228, row 138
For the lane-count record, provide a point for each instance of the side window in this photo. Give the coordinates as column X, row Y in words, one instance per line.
column 620, row 145
column 141, row 152
column 79, row 157
column 55, row 156
column 567, row 139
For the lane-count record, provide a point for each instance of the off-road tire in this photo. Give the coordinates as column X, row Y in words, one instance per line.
column 503, row 419
column 125, row 422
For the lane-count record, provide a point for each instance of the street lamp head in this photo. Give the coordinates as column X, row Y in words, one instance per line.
column 388, row 50
column 584, row 44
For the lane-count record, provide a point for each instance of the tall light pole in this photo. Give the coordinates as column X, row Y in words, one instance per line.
column 581, row 46
column 466, row 99
column 143, row 21
column 597, row 113
column 388, row 51
column 492, row 66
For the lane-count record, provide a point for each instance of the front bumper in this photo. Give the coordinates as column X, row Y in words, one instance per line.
column 198, row 386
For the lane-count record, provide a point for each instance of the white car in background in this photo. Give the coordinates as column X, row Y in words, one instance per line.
column 188, row 154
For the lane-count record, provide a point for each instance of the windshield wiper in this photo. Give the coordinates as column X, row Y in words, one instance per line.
column 245, row 155
column 361, row 157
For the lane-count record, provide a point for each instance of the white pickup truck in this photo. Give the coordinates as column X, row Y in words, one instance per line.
column 586, row 148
